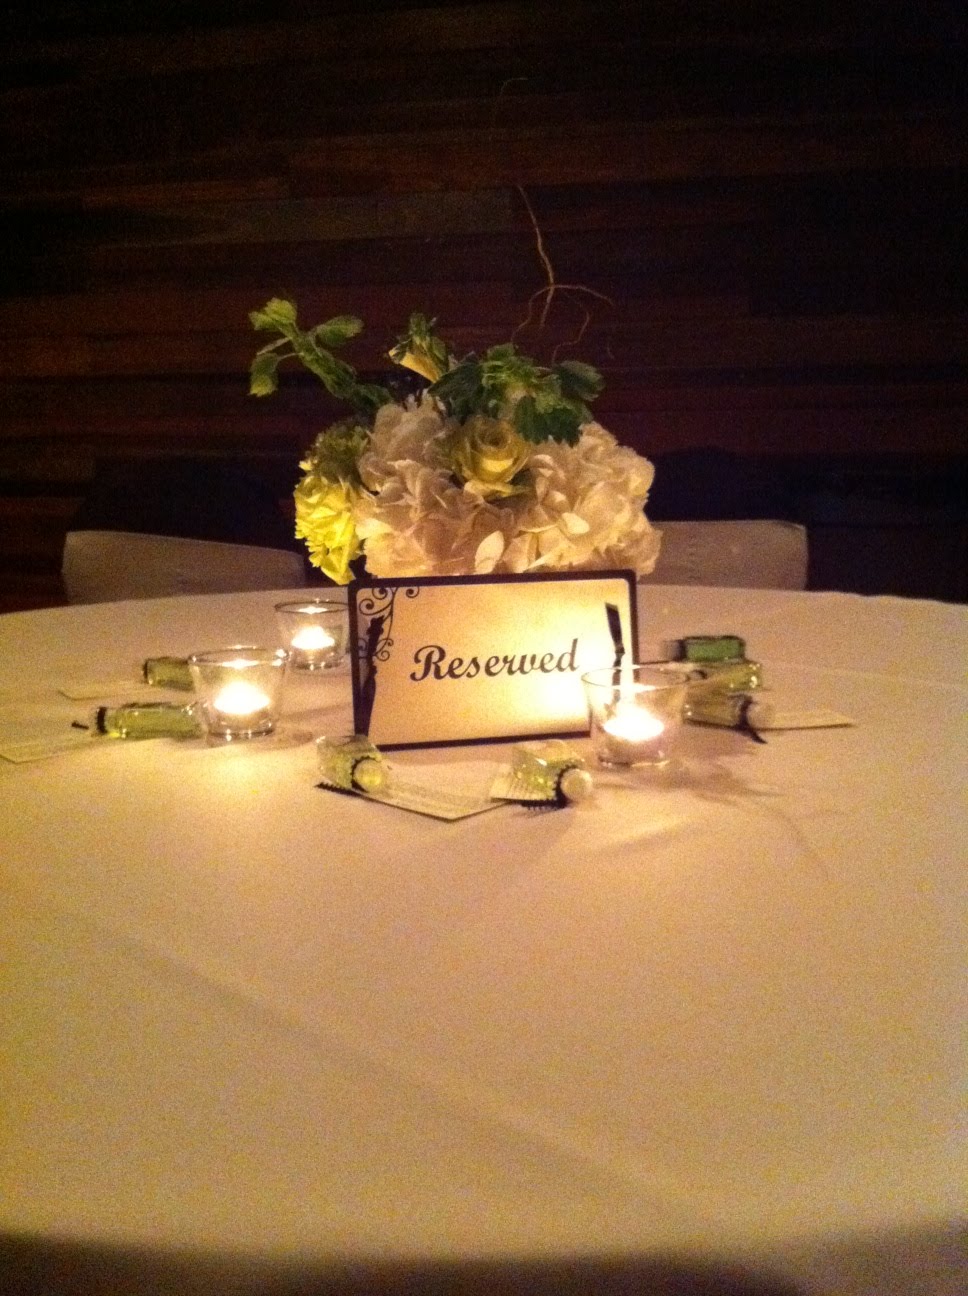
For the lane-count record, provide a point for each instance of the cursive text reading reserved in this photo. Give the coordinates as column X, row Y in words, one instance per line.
column 432, row 662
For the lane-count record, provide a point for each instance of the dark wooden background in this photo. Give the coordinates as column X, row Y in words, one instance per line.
column 771, row 198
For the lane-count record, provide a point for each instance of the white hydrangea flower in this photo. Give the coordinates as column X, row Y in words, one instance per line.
column 585, row 509
column 588, row 508
column 413, row 518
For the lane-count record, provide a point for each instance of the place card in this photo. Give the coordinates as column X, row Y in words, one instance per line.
column 439, row 661
column 21, row 750
column 818, row 719
column 88, row 690
column 450, row 792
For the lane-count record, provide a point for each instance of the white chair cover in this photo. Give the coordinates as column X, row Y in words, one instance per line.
column 747, row 554
column 104, row 566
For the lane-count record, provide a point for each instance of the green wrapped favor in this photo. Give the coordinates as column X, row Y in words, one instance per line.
column 168, row 672
column 713, row 648
column 147, row 720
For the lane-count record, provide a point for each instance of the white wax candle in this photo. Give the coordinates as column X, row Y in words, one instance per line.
column 632, row 724
column 240, row 698
column 631, row 735
column 313, row 638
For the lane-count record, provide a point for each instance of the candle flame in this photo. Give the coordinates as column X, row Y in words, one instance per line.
column 240, row 698
column 633, row 724
column 313, row 638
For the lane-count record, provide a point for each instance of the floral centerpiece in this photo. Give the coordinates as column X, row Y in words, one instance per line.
column 496, row 466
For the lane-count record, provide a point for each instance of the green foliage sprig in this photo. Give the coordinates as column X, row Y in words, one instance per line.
column 314, row 348
column 542, row 402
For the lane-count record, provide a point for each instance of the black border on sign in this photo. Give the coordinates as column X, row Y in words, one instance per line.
column 357, row 588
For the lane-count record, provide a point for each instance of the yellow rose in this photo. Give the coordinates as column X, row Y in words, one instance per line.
column 486, row 454
column 324, row 519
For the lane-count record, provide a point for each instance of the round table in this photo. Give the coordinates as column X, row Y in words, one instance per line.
column 708, row 1018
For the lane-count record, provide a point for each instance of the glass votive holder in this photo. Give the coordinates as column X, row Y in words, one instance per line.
column 239, row 690
column 635, row 712
column 315, row 631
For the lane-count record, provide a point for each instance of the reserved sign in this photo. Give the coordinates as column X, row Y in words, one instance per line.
column 441, row 660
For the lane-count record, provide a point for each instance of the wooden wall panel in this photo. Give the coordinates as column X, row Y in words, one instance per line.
column 766, row 203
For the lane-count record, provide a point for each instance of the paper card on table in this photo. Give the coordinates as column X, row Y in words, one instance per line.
column 87, row 690
column 441, row 660
column 21, row 750
column 447, row 792
column 819, row 719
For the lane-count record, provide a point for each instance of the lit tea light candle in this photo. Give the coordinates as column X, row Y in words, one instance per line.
column 631, row 734
column 312, row 638
column 630, row 723
column 239, row 690
column 635, row 713
column 316, row 632
column 241, row 700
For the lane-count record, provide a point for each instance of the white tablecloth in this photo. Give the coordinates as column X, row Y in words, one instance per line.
column 713, row 1014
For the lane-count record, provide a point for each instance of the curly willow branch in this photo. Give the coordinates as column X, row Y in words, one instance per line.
column 552, row 286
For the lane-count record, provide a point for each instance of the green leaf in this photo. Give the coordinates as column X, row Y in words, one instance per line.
column 563, row 423
column 501, row 354
column 461, row 391
column 370, row 396
column 578, row 381
column 336, row 332
column 505, row 370
column 337, row 376
column 556, row 422
column 526, row 420
column 263, row 380
column 277, row 313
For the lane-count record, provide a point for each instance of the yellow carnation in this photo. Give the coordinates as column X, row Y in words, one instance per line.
column 325, row 520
